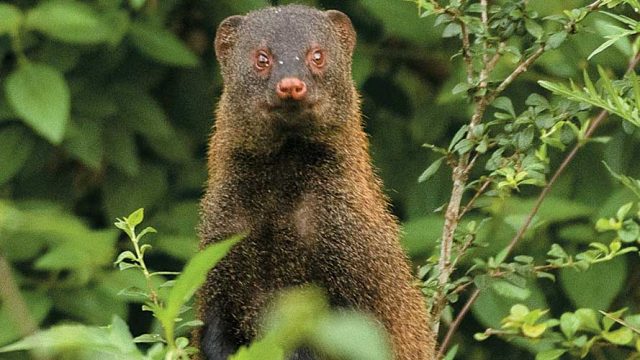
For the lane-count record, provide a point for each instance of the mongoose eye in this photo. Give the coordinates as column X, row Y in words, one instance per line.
column 263, row 60
column 316, row 56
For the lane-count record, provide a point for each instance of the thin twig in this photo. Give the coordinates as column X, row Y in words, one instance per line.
column 456, row 323
column 522, row 67
column 475, row 197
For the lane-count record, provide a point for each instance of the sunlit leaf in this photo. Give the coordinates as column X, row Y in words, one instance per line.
column 40, row 96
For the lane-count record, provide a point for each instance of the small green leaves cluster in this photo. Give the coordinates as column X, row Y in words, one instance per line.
column 621, row 98
column 515, row 148
column 625, row 226
column 626, row 223
column 521, row 321
column 521, row 143
column 168, row 306
column 488, row 35
column 635, row 4
column 170, row 309
column 579, row 331
column 596, row 253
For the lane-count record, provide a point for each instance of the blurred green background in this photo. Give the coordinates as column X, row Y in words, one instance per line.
column 129, row 94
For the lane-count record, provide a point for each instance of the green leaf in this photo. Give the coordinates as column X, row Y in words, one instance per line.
column 135, row 218
column 622, row 336
column 630, row 231
column 191, row 278
column 11, row 19
column 141, row 112
column 569, row 324
column 265, row 348
column 69, row 21
column 128, row 255
column 609, row 319
column 351, row 336
column 537, row 100
column 588, row 319
column 452, row 29
column 148, row 338
column 597, row 287
column 502, row 255
column 431, row 170
column 39, row 95
column 504, row 103
column 612, row 40
column 451, row 354
column 458, row 136
column 558, row 252
column 509, row 290
column 550, row 354
column 462, row 87
column 533, row 331
column 629, row 182
column 114, row 340
column 84, row 140
column 16, row 145
column 161, row 45
column 534, row 28
column 555, row 40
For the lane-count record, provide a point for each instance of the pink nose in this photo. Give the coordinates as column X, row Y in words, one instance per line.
column 291, row 88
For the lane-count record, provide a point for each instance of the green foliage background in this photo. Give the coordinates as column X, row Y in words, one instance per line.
column 106, row 106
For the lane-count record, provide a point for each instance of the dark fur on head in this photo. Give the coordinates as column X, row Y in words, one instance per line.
column 296, row 176
column 287, row 33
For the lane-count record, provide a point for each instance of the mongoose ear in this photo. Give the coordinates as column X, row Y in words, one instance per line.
column 345, row 29
column 226, row 36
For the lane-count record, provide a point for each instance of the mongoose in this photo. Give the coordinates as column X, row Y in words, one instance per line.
column 289, row 166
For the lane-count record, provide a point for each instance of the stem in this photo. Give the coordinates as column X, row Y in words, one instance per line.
column 456, row 323
column 147, row 275
column 522, row 67
column 478, row 193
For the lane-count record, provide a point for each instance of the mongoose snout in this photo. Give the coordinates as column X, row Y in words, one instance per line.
column 291, row 88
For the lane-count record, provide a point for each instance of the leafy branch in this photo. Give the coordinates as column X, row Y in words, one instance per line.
column 525, row 226
column 609, row 98
column 488, row 36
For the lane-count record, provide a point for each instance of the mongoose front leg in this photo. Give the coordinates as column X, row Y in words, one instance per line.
column 216, row 342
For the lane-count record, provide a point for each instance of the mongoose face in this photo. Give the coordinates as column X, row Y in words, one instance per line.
column 289, row 68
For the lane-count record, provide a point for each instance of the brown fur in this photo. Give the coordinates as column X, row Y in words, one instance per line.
column 301, row 185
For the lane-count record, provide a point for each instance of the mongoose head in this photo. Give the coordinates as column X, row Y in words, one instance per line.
column 287, row 70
